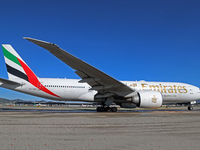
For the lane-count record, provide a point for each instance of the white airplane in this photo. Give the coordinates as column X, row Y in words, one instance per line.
column 94, row 85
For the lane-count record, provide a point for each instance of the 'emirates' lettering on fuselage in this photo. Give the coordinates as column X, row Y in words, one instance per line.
column 163, row 88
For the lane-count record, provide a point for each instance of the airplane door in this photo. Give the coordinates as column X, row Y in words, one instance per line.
column 39, row 86
column 191, row 90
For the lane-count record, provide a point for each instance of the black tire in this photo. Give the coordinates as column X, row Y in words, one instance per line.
column 107, row 109
column 190, row 108
column 102, row 109
column 98, row 109
column 114, row 109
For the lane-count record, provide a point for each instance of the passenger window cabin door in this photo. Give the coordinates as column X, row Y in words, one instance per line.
column 191, row 90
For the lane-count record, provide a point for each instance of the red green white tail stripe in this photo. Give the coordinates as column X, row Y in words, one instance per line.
column 17, row 68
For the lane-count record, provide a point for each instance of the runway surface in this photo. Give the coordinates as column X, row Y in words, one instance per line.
column 84, row 129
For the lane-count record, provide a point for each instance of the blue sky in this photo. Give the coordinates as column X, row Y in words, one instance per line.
column 127, row 39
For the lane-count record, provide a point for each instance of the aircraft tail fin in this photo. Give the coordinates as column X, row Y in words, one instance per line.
column 16, row 67
column 18, row 71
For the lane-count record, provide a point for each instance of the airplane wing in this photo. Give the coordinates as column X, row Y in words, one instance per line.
column 98, row 80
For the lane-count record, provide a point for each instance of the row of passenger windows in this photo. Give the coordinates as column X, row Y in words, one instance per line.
column 62, row 86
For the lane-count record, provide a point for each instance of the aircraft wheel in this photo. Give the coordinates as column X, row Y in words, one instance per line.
column 114, row 109
column 107, row 109
column 102, row 109
column 190, row 108
column 98, row 109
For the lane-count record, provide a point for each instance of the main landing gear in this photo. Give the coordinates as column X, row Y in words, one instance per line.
column 106, row 109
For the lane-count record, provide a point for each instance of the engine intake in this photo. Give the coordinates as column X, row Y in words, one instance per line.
column 148, row 99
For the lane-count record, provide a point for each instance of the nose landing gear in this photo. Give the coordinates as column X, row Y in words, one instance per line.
column 191, row 104
column 190, row 107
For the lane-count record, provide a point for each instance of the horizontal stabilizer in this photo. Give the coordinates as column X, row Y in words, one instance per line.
column 6, row 82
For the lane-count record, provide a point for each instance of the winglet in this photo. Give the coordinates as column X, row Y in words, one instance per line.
column 41, row 43
column 32, row 40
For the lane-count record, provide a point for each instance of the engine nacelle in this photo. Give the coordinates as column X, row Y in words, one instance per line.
column 148, row 99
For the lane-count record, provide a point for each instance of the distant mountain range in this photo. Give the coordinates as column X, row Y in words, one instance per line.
column 4, row 100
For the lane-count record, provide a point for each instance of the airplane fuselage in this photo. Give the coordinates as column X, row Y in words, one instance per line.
column 72, row 90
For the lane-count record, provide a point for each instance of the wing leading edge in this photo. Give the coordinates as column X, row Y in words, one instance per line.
column 105, row 85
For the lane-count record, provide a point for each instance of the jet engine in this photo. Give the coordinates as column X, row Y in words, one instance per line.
column 148, row 99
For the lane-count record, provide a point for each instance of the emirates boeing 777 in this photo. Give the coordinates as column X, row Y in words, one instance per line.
column 94, row 85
